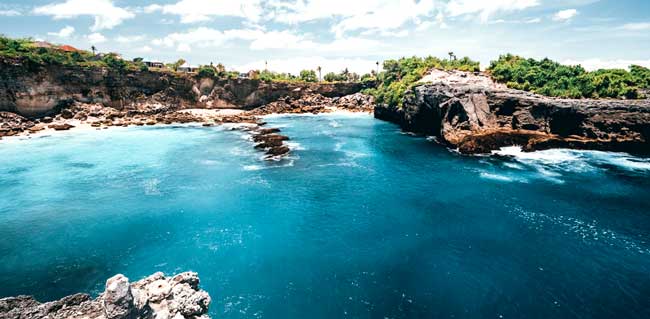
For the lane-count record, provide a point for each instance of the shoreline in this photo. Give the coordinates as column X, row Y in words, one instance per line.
column 86, row 126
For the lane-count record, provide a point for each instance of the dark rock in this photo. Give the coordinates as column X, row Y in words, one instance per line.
column 277, row 151
column 61, row 127
column 67, row 114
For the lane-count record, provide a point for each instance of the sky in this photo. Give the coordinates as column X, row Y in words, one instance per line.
column 291, row 35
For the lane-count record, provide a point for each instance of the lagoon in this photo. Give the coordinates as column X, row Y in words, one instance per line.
column 362, row 221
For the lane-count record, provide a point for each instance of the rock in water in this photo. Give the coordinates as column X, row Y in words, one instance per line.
column 156, row 296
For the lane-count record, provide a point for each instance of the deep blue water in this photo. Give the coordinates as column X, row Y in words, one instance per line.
column 361, row 222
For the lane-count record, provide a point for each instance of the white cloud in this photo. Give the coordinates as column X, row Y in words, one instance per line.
column 129, row 39
column 641, row 26
column 144, row 49
column 295, row 65
column 533, row 20
column 63, row 33
column 105, row 13
column 260, row 40
column 192, row 11
column 595, row 64
column 565, row 15
column 95, row 38
column 355, row 15
column 486, row 9
column 9, row 13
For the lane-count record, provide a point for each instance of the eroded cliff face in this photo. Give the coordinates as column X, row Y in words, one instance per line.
column 47, row 89
column 474, row 115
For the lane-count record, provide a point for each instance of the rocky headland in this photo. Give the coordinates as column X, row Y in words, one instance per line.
column 471, row 113
column 156, row 296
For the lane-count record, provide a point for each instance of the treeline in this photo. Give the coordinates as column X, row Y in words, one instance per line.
column 33, row 54
column 399, row 76
column 550, row 78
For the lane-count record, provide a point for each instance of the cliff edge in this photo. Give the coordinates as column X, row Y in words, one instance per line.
column 44, row 90
column 470, row 112
column 156, row 296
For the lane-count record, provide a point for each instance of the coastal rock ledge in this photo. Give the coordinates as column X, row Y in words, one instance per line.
column 471, row 113
column 156, row 296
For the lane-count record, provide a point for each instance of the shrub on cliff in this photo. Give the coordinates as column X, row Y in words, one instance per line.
column 399, row 76
column 550, row 78
column 206, row 71
column 308, row 76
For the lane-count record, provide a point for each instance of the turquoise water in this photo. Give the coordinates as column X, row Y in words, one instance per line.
column 361, row 222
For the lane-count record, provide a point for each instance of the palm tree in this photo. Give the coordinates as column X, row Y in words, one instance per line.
column 94, row 49
column 377, row 67
column 451, row 55
column 319, row 73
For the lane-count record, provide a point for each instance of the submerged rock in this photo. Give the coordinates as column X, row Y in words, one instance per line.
column 156, row 296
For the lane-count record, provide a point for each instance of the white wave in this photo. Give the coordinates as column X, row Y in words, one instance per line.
column 548, row 156
column 513, row 166
column 253, row 167
column 626, row 162
column 295, row 146
column 496, row 177
column 334, row 124
column 574, row 160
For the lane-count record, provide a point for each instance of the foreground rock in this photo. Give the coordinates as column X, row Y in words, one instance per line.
column 156, row 296
column 473, row 114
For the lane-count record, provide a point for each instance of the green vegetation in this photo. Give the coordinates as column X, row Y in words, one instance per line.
column 206, row 71
column 34, row 54
column 308, row 76
column 550, row 78
column 399, row 76
column 343, row 76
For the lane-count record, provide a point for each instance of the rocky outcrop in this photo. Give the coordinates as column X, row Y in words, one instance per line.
column 317, row 103
column 156, row 296
column 466, row 112
column 36, row 91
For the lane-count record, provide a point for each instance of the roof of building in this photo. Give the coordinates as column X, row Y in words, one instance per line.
column 68, row 48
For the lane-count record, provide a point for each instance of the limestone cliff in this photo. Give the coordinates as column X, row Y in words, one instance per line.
column 44, row 90
column 473, row 114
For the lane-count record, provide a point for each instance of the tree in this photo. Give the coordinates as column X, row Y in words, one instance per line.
column 319, row 73
column 221, row 69
column 174, row 66
column 136, row 60
column 308, row 76
column 93, row 48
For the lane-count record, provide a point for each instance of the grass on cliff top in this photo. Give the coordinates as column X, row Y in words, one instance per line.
column 550, row 78
column 399, row 76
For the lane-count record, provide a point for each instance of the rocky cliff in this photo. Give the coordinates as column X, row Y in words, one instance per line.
column 475, row 115
column 46, row 89
column 156, row 296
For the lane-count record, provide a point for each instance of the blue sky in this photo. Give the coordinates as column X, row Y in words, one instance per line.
column 296, row 34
